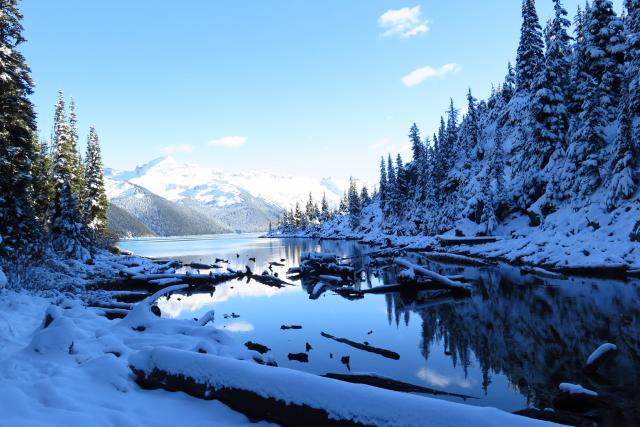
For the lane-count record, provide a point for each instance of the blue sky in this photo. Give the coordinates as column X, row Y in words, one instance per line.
column 318, row 88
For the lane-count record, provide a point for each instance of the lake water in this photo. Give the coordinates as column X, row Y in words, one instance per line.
column 509, row 344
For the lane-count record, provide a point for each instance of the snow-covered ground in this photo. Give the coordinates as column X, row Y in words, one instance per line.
column 567, row 238
column 63, row 363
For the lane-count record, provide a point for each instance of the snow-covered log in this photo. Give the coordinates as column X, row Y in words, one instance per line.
column 290, row 397
column 454, row 241
column 600, row 355
column 455, row 259
column 437, row 278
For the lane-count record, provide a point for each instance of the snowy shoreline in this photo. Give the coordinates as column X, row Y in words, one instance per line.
column 604, row 252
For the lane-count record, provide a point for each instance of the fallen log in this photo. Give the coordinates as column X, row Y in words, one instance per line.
column 278, row 394
column 435, row 277
column 453, row 241
column 391, row 384
column 365, row 347
column 455, row 259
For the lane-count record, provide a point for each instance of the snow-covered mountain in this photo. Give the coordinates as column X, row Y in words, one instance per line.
column 241, row 201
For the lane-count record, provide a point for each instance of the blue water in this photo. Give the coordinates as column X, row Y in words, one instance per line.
column 510, row 344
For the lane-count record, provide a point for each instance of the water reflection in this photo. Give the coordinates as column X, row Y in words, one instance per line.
column 510, row 343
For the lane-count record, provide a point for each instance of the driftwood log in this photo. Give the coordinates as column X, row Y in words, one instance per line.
column 293, row 398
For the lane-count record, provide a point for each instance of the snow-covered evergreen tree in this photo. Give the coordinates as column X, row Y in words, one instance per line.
column 365, row 198
column 18, row 231
column 383, row 185
column 605, row 53
column 78, row 167
column 325, row 212
column 624, row 164
column 42, row 183
column 67, row 234
column 530, row 50
column 585, row 153
column 633, row 59
column 94, row 198
column 549, row 109
column 355, row 204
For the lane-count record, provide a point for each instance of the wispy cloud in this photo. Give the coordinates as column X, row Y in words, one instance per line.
column 179, row 148
column 406, row 22
column 440, row 380
column 421, row 74
column 228, row 141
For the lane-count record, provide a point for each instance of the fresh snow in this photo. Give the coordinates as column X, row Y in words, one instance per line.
column 175, row 181
column 576, row 389
column 342, row 400
column 598, row 352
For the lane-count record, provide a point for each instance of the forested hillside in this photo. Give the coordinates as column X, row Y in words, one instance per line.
column 554, row 147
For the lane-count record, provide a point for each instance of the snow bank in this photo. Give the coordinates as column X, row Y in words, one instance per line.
column 341, row 400
column 599, row 352
column 576, row 389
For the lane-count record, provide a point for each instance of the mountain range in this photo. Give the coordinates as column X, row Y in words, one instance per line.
column 167, row 197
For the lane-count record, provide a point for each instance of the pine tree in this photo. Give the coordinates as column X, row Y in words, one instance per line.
column 325, row 212
column 509, row 85
column 343, row 208
column 66, row 228
column 530, row 50
column 383, row 184
column 18, row 231
column 299, row 217
column 605, row 53
column 392, row 190
column 94, row 196
column 42, row 184
column 354, row 199
column 548, row 106
column 77, row 166
column 365, row 198
column 633, row 59
column 584, row 157
column 622, row 184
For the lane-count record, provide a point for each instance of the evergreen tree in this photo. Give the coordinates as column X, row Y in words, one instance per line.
column 383, row 184
column 42, row 184
column 584, row 157
column 18, row 231
column 66, row 228
column 392, row 195
column 77, row 166
column 299, row 217
column 509, row 85
column 625, row 159
column 605, row 53
column 343, row 208
column 94, row 195
column 354, row 199
column 365, row 199
column 633, row 59
column 530, row 50
column 325, row 212
column 548, row 106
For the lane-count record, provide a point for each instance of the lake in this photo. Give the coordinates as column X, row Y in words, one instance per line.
column 509, row 345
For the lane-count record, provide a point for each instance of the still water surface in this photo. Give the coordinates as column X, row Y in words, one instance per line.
column 509, row 345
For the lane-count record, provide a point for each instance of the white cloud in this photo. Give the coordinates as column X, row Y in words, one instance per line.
column 228, row 141
column 439, row 380
column 421, row 74
column 406, row 22
column 179, row 148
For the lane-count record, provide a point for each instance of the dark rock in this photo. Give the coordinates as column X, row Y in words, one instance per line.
column 262, row 349
column 299, row 357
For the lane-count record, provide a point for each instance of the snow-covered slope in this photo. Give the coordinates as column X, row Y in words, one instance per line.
column 241, row 201
column 174, row 180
